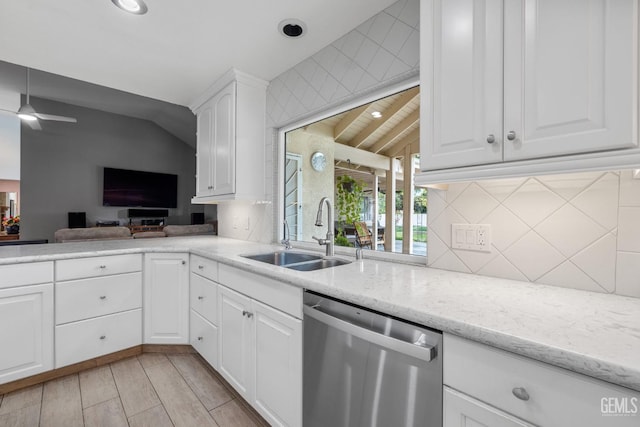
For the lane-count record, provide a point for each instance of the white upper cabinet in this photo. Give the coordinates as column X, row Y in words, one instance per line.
column 507, row 81
column 231, row 119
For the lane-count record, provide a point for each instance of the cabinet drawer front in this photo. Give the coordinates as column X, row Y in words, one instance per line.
column 86, row 298
column 461, row 410
column 284, row 297
column 26, row 334
column 204, row 267
column 91, row 338
column 204, row 297
column 557, row 397
column 25, row 274
column 204, row 338
column 70, row 269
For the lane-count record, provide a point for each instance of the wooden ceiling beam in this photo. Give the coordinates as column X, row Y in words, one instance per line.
column 350, row 118
column 391, row 136
column 398, row 146
column 400, row 103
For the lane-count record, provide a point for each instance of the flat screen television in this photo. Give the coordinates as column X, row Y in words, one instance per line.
column 123, row 187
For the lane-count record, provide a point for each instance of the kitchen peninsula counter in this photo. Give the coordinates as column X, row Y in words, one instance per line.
column 590, row 333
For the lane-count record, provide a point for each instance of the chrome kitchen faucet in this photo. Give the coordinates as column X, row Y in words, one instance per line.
column 328, row 241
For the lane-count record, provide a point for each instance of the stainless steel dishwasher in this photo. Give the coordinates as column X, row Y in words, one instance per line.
column 362, row 368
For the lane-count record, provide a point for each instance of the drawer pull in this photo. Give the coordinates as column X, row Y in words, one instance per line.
column 103, row 267
column 200, row 298
column 184, row 262
column 247, row 313
column 520, row 393
column 103, row 337
column 199, row 338
column 103, row 297
column 201, row 267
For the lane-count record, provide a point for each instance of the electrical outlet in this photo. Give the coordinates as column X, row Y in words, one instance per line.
column 471, row 237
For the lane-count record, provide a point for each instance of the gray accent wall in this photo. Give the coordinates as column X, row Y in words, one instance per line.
column 62, row 166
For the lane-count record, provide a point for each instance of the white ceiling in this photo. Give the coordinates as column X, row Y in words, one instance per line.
column 179, row 48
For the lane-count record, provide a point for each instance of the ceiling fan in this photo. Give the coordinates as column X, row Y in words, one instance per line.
column 30, row 116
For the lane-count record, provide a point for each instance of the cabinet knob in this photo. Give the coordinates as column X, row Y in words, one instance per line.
column 103, row 337
column 103, row 267
column 491, row 138
column 201, row 298
column 511, row 135
column 520, row 393
column 199, row 338
column 184, row 262
column 201, row 267
column 103, row 297
column 247, row 313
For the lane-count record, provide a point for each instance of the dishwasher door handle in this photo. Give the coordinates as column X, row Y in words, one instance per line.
column 421, row 351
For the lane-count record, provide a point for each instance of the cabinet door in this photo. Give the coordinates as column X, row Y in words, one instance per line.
column 461, row 93
column 26, row 316
column 166, row 299
column 570, row 76
column 278, row 366
column 204, row 185
column 236, row 349
column 461, row 410
column 204, row 338
column 224, row 141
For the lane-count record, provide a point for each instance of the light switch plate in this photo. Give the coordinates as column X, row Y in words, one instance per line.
column 472, row 237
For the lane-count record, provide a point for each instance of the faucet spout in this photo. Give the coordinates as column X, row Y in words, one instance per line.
column 328, row 241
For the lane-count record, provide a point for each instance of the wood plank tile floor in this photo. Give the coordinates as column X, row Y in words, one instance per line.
column 152, row 389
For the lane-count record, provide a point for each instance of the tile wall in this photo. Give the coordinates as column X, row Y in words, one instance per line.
column 380, row 52
column 575, row 230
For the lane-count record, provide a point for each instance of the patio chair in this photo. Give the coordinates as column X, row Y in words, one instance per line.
column 363, row 235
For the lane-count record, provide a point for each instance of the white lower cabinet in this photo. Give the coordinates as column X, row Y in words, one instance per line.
column 461, row 410
column 203, row 295
column 261, row 346
column 278, row 365
column 95, row 337
column 204, row 338
column 166, row 298
column 235, row 341
column 484, row 384
column 26, row 334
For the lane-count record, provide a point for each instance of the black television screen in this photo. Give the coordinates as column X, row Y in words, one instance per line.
column 123, row 187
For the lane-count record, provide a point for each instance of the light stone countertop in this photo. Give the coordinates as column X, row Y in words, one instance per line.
column 590, row 333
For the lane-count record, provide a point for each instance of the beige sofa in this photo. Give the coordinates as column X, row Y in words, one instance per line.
column 115, row 233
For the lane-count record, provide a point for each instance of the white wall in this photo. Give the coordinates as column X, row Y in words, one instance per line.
column 62, row 166
column 573, row 230
column 378, row 53
column 316, row 185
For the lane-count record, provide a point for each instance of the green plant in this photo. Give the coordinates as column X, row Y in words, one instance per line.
column 348, row 199
column 341, row 240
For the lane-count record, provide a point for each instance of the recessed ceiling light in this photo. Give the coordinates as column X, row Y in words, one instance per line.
column 132, row 6
column 376, row 114
column 292, row 28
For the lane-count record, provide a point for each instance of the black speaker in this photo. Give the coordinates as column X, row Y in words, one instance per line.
column 197, row 218
column 147, row 213
column 77, row 220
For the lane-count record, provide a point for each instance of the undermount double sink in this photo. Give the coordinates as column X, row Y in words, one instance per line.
column 297, row 260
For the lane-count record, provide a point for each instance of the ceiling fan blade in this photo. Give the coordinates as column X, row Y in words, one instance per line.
column 56, row 118
column 34, row 124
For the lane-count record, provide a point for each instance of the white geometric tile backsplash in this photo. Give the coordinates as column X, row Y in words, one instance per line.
column 383, row 49
column 575, row 230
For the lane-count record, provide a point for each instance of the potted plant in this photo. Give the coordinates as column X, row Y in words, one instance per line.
column 11, row 224
column 348, row 204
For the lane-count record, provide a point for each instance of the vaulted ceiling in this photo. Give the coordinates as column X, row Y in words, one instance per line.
column 394, row 134
column 179, row 48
